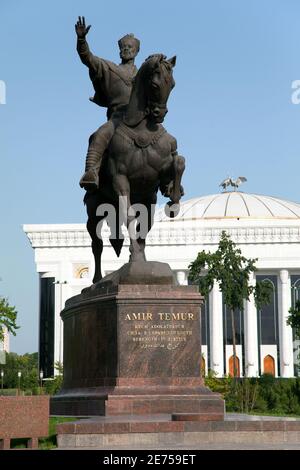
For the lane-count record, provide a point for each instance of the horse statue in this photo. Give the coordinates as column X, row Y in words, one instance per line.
column 141, row 159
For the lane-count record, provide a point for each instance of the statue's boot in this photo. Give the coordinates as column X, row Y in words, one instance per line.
column 98, row 143
column 90, row 179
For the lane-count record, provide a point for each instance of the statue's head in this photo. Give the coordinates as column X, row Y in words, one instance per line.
column 129, row 47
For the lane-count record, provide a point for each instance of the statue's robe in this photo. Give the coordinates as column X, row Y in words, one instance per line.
column 112, row 83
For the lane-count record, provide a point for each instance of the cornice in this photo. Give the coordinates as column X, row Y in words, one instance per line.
column 166, row 235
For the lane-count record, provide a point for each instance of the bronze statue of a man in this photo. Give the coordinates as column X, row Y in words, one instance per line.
column 112, row 84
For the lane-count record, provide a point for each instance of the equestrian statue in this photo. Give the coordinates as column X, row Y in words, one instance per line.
column 132, row 156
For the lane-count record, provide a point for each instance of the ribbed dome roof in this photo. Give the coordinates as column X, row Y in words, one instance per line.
column 235, row 205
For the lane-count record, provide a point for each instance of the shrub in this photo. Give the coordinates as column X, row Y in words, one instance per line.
column 266, row 394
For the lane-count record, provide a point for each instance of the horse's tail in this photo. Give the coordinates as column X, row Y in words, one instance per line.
column 117, row 237
column 117, row 244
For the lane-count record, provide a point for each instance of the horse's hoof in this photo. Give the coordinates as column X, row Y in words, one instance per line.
column 172, row 209
column 97, row 279
column 137, row 257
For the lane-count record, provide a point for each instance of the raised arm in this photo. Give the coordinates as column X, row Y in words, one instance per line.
column 87, row 58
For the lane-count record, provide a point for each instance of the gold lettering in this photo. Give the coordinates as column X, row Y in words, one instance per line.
column 139, row 316
column 183, row 316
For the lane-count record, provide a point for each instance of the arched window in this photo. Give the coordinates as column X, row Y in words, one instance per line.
column 231, row 366
column 268, row 315
column 269, row 365
column 295, row 286
column 82, row 273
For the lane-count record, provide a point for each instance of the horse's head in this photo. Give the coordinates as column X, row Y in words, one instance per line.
column 151, row 90
column 159, row 85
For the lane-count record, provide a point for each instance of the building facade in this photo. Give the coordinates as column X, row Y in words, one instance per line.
column 4, row 345
column 263, row 227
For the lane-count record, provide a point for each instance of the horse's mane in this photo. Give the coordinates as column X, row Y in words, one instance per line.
column 136, row 109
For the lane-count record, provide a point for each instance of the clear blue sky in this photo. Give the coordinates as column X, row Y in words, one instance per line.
column 230, row 111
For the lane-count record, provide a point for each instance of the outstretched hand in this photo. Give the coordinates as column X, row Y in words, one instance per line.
column 80, row 28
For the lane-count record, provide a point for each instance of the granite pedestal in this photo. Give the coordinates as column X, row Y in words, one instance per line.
column 134, row 348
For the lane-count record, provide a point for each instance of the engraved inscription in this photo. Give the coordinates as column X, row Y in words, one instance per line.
column 139, row 316
column 167, row 329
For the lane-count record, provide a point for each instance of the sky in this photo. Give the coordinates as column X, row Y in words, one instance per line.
column 231, row 109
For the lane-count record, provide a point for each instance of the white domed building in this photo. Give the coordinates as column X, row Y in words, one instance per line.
column 263, row 227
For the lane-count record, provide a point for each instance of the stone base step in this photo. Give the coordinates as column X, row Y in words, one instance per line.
column 158, row 430
column 209, row 406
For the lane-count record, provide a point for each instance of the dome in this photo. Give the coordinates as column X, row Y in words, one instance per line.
column 228, row 205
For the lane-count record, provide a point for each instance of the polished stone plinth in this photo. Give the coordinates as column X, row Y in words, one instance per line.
column 134, row 349
column 161, row 432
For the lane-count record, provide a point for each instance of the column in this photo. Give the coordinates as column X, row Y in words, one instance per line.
column 47, row 340
column 182, row 278
column 251, row 339
column 63, row 291
column 285, row 331
column 58, row 321
column 216, row 331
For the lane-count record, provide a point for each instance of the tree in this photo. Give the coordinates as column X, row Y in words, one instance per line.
column 293, row 320
column 27, row 364
column 231, row 271
column 8, row 317
column 53, row 386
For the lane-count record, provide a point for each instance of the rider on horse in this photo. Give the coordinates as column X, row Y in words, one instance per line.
column 112, row 84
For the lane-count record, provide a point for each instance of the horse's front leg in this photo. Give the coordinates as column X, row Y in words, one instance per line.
column 91, row 200
column 97, row 247
column 145, row 223
column 177, row 190
column 122, row 188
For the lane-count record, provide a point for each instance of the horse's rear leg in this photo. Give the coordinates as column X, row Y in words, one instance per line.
column 97, row 247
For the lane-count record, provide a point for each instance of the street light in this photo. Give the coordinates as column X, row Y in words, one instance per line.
column 19, row 382
column 41, row 378
column 2, row 375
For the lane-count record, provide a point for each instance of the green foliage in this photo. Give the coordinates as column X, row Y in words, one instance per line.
column 263, row 395
column 8, row 318
column 244, row 396
column 262, row 293
column 50, row 441
column 53, row 386
column 231, row 270
column 9, row 392
column 27, row 364
column 218, row 385
column 294, row 318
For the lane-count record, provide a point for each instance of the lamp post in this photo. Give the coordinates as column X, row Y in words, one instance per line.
column 2, row 375
column 41, row 379
column 19, row 381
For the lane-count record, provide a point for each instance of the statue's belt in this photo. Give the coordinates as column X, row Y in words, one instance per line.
column 141, row 139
